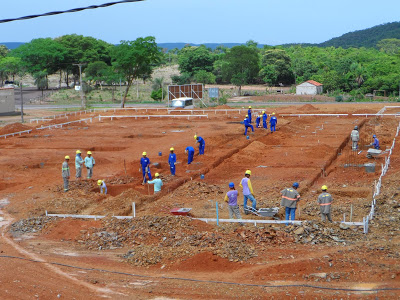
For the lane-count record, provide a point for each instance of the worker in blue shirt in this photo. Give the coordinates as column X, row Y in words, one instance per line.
column 172, row 161
column 145, row 163
column 247, row 125
column 265, row 117
column 272, row 122
column 190, row 151
column 202, row 144
column 375, row 144
column 249, row 114
column 258, row 119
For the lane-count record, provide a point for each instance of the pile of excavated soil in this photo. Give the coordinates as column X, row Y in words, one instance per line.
column 307, row 107
column 14, row 127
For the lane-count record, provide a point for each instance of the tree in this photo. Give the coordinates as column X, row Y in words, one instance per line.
column 241, row 65
column 357, row 73
column 389, row 46
column 193, row 59
column 3, row 51
column 135, row 59
column 97, row 71
column 9, row 66
column 279, row 62
column 41, row 80
column 204, row 77
column 184, row 78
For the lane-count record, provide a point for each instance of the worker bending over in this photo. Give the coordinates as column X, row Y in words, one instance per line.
column 264, row 117
column 375, row 144
column 290, row 197
column 65, row 173
column 157, row 183
column 78, row 164
column 272, row 122
column 247, row 125
column 258, row 119
column 190, row 151
column 231, row 199
column 145, row 164
column 89, row 163
column 247, row 192
column 172, row 161
column 325, row 201
column 355, row 137
column 102, row 185
column 202, row 144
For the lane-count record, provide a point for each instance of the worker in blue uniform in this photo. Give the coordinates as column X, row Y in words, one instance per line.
column 258, row 119
column 272, row 122
column 145, row 164
column 190, row 151
column 247, row 125
column 249, row 114
column 202, row 144
column 375, row 144
column 172, row 161
column 264, row 117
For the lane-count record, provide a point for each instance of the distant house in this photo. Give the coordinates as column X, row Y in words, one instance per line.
column 7, row 101
column 310, row 87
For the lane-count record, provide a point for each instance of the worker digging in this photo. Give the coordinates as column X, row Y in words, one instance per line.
column 325, row 202
column 202, row 144
column 190, row 152
column 89, row 163
column 145, row 167
column 102, row 184
column 157, row 183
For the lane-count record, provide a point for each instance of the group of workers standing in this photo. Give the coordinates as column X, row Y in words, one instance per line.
column 355, row 138
column 290, row 199
column 248, row 120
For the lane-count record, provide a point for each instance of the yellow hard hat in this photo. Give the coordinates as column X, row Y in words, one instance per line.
column 157, row 175
column 66, row 157
column 248, row 172
column 78, row 151
column 99, row 182
column 249, row 106
column 247, row 116
column 171, row 149
column 89, row 152
column 263, row 111
column 144, row 153
column 195, row 137
column 324, row 188
column 273, row 114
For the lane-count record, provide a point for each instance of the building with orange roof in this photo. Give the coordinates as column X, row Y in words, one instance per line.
column 310, row 87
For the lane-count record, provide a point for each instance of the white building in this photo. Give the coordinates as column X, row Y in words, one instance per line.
column 7, row 101
column 309, row 87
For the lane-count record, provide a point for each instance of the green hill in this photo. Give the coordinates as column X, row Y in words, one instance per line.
column 365, row 38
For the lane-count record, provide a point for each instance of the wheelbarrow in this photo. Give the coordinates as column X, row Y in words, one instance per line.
column 372, row 153
column 262, row 212
column 180, row 211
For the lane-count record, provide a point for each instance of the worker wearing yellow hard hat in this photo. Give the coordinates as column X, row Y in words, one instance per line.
column 145, row 167
column 157, row 183
column 325, row 203
column 78, row 164
column 247, row 124
column 65, row 173
column 272, row 122
column 89, row 163
column 102, row 184
column 248, row 193
column 249, row 114
column 172, row 161
column 264, row 118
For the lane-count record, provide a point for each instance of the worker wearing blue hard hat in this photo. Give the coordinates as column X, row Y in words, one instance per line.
column 375, row 144
column 290, row 197
column 231, row 199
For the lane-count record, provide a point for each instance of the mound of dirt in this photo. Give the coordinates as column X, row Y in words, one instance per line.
column 255, row 148
column 307, row 107
column 14, row 127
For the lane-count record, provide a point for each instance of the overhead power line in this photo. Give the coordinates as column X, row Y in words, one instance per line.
column 68, row 11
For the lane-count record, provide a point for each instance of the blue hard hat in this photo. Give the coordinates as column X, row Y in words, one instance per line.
column 374, row 136
column 231, row 184
column 296, row 184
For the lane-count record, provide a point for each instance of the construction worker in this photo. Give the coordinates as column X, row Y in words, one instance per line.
column 249, row 114
column 102, row 185
column 231, row 199
column 355, row 137
column 375, row 144
column 258, row 119
column 172, row 161
column 89, row 163
column 290, row 197
column 247, row 125
column 65, row 173
column 202, row 144
column 157, row 183
column 190, row 151
column 78, row 164
column 272, row 122
column 247, row 191
column 325, row 201
column 145, row 163
column 264, row 117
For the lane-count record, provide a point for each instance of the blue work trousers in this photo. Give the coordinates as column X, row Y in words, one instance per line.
column 265, row 124
column 252, row 199
column 290, row 213
column 201, row 149
column 144, row 174
column 172, row 169
column 272, row 127
column 190, row 157
column 247, row 126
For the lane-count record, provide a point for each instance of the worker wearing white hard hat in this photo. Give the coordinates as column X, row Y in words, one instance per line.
column 172, row 160
column 65, row 173
column 325, row 201
column 89, row 163
column 145, row 167
column 78, row 164
column 157, row 183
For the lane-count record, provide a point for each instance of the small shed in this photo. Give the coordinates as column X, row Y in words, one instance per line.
column 310, row 87
column 7, row 101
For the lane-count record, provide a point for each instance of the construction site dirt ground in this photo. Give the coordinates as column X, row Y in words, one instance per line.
column 160, row 256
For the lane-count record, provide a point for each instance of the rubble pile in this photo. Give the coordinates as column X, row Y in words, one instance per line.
column 199, row 189
column 120, row 180
column 30, row 225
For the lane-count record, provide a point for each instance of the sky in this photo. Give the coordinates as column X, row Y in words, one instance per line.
column 199, row 21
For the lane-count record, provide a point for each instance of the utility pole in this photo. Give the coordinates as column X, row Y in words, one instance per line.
column 83, row 104
column 22, row 102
